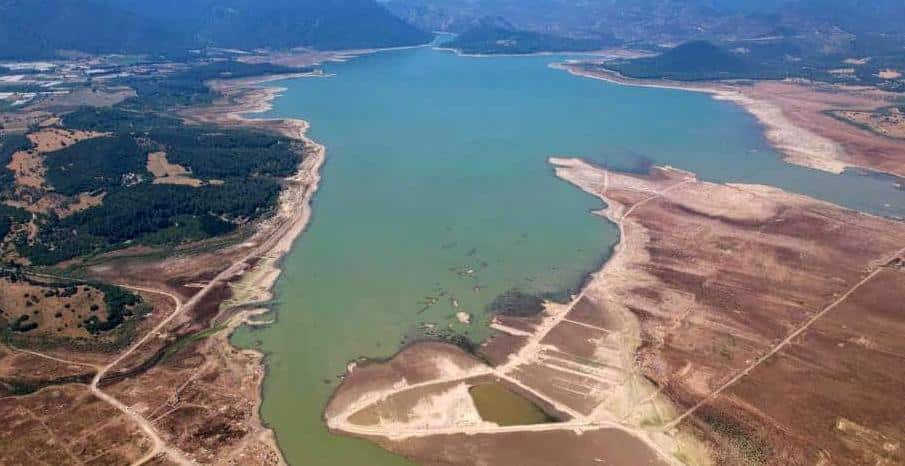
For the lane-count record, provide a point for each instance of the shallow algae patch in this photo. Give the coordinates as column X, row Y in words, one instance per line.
column 501, row 406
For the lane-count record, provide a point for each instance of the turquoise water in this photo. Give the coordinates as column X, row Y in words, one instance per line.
column 436, row 165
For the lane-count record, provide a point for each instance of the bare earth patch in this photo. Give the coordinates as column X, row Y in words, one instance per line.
column 28, row 169
column 170, row 173
column 767, row 327
column 88, row 431
column 51, row 139
column 31, row 191
column 888, row 122
column 54, row 315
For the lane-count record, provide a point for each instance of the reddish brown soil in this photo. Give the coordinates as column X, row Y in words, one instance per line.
column 66, row 425
column 714, row 294
column 605, row 446
column 806, row 107
column 836, row 392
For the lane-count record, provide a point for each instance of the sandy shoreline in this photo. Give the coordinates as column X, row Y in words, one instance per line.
column 798, row 145
column 278, row 233
column 602, row 53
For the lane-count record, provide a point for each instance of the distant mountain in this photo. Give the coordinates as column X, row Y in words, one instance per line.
column 495, row 35
column 324, row 24
column 664, row 21
column 37, row 28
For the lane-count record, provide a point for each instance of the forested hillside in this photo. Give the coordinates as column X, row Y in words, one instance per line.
column 132, row 174
column 497, row 36
column 861, row 62
column 41, row 28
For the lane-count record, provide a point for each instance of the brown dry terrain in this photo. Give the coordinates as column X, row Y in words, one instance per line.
column 51, row 139
column 169, row 173
column 55, row 313
column 31, row 191
column 43, row 109
column 66, row 425
column 734, row 324
column 888, row 122
column 180, row 393
column 809, row 106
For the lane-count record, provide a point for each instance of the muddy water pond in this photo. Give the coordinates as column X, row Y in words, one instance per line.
column 502, row 406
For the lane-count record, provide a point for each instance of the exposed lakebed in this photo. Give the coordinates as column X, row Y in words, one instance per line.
column 436, row 198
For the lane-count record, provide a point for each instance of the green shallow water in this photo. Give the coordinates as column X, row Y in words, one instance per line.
column 498, row 404
column 437, row 164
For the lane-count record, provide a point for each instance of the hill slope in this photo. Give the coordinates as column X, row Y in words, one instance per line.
column 40, row 28
column 497, row 36
column 689, row 61
column 37, row 28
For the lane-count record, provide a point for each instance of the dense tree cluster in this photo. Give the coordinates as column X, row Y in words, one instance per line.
column 240, row 170
column 119, row 303
column 9, row 145
column 95, row 164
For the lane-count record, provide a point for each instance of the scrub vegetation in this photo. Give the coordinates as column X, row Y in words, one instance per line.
column 57, row 311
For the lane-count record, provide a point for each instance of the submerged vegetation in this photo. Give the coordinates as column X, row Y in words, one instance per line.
column 516, row 303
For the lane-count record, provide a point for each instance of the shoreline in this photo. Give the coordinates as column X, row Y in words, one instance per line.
column 658, row 385
column 637, row 391
column 796, row 145
column 593, row 53
column 253, row 98
column 245, row 97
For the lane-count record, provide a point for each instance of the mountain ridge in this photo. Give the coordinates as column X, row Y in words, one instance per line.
column 41, row 28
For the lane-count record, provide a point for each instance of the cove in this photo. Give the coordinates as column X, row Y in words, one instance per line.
column 436, row 197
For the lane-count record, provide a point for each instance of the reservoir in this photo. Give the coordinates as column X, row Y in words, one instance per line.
column 436, row 197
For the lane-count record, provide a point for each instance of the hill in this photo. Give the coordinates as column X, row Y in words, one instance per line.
column 774, row 58
column 40, row 28
column 497, row 36
column 665, row 21
column 689, row 61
